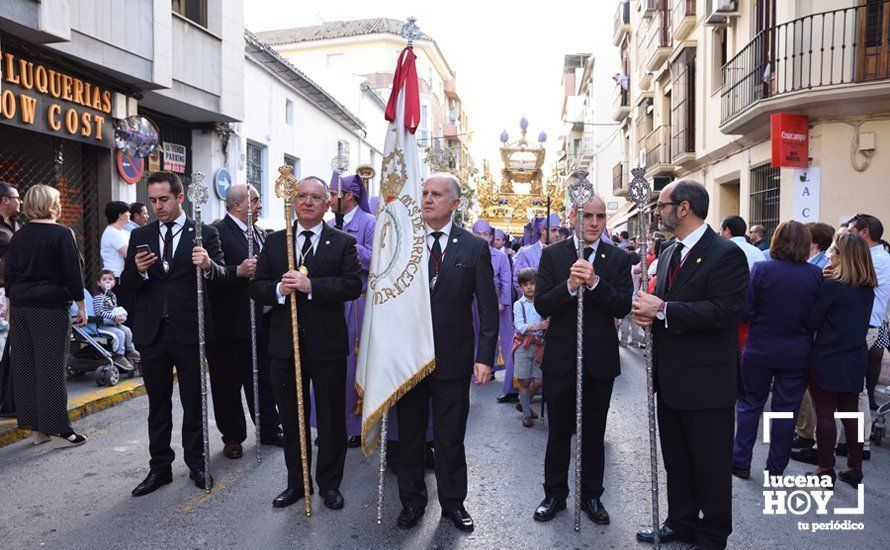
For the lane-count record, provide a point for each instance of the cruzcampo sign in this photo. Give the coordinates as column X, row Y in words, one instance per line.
column 46, row 99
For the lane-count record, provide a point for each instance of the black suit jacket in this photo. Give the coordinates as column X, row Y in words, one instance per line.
column 178, row 287
column 335, row 273
column 610, row 300
column 231, row 300
column 696, row 354
column 466, row 273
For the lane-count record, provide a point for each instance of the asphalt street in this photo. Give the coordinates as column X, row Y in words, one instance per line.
column 80, row 498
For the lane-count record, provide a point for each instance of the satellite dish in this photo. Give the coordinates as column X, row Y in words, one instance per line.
column 136, row 136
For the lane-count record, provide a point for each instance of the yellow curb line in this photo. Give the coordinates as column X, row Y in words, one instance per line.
column 80, row 407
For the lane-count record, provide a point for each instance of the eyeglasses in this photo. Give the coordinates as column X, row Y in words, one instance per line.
column 309, row 197
column 660, row 205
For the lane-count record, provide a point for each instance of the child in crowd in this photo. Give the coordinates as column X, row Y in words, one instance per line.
column 528, row 344
column 111, row 319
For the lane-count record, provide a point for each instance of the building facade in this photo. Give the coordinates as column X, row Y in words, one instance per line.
column 70, row 69
column 705, row 76
column 590, row 140
column 291, row 119
column 368, row 48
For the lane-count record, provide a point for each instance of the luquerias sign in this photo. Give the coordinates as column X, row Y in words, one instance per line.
column 44, row 99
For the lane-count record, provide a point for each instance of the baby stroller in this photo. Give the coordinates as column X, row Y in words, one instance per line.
column 90, row 351
column 878, row 422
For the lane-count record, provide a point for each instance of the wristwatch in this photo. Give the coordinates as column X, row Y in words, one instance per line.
column 660, row 313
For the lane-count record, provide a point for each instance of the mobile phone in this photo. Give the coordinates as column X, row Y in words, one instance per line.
column 143, row 248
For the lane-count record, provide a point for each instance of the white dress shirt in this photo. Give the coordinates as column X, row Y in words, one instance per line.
column 595, row 244
column 443, row 238
column 258, row 243
column 178, row 228
column 315, row 238
column 347, row 217
column 753, row 253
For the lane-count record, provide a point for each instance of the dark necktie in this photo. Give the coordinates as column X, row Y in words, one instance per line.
column 258, row 240
column 588, row 250
column 674, row 263
column 306, row 251
column 168, row 243
column 435, row 254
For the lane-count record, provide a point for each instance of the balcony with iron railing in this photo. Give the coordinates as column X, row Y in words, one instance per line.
column 621, row 100
column 657, row 40
column 682, row 19
column 836, row 57
column 619, row 177
column 622, row 22
column 657, row 145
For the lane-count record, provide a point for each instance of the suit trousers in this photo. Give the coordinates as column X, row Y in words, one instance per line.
column 328, row 378
column 158, row 360
column 697, row 449
column 559, row 391
column 231, row 368
column 788, row 384
column 450, row 401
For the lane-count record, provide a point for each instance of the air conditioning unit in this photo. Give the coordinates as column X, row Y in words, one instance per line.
column 719, row 12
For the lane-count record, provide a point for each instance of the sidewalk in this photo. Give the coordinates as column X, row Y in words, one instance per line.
column 84, row 398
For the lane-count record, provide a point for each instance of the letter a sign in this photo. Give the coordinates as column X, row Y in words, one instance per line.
column 790, row 139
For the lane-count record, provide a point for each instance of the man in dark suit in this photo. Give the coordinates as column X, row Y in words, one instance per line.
column 159, row 274
column 605, row 272
column 460, row 270
column 230, row 356
column 694, row 315
column 329, row 275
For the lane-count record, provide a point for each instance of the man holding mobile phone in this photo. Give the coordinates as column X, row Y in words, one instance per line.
column 159, row 274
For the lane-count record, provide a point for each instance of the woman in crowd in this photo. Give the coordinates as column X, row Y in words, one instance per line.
column 840, row 318
column 42, row 277
column 780, row 296
column 113, row 246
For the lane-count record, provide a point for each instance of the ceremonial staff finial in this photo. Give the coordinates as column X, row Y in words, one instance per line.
column 340, row 164
column 410, row 31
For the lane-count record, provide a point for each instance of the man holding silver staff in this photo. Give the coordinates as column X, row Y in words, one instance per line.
column 159, row 274
column 229, row 356
column 327, row 275
column 605, row 273
column 694, row 315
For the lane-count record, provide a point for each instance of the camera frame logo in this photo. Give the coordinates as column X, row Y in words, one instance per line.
column 801, row 494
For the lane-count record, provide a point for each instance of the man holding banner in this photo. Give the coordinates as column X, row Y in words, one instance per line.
column 425, row 273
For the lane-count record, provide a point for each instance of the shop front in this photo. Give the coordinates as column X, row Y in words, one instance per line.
column 56, row 128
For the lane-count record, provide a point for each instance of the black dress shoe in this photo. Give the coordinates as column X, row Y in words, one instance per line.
column 595, row 511
column 354, row 442
column 807, row 456
column 409, row 516
column 665, row 534
column 288, row 497
column 152, row 482
column 333, row 499
column 802, row 442
column 548, row 508
column 508, row 398
column 853, row 476
column 741, row 473
column 274, row 438
column 202, row 479
column 233, row 450
column 460, row 518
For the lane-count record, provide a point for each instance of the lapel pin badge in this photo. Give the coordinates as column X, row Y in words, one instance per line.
column 698, row 260
column 191, row 229
column 602, row 255
column 454, row 240
column 327, row 242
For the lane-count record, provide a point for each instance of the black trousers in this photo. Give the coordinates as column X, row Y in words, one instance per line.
column 328, row 378
column 450, row 407
column 158, row 360
column 559, row 391
column 697, row 450
column 231, row 369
